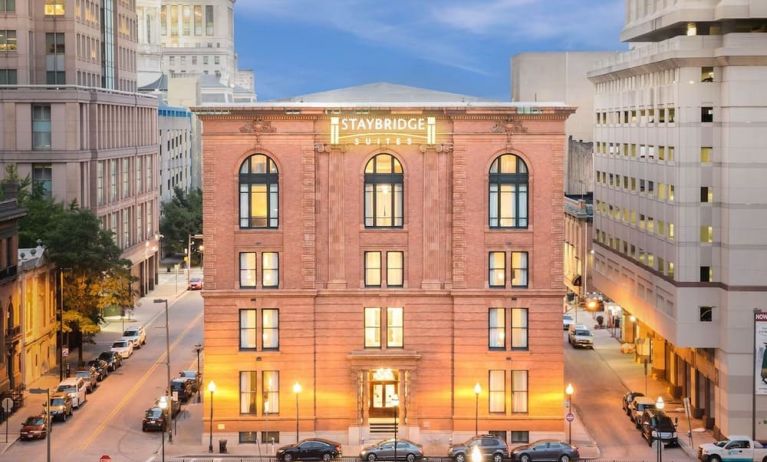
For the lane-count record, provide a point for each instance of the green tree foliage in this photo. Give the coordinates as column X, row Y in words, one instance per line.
column 181, row 217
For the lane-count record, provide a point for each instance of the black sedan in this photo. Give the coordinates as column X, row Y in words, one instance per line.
column 154, row 419
column 113, row 360
column 546, row 450
column 101, row 366
column 384, row 450
column 310, row 449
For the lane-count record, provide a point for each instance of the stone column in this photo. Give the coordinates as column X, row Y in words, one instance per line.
column 336, row 244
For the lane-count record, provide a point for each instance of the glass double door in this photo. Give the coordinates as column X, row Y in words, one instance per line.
column 382, row 398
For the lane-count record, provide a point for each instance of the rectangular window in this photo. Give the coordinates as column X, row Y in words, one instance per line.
column 41, row 127
column 7, row 6
column 518, row 269
column 271, row 388
column 497, row 329
column 247, row 269
column 270, row 326
column 186, row 20
column 248, row 329
column 8, row 40
column 496, row 276
column 520, row 437
column 706, row 313
column 270, row 269
column 497, row 391
column 248, row 394
column 217, row 60
column 54, row 7
column 519, row 391
column 248, row 437
column 270, row 437
column 372, row 327
column 394, row 268
column 519, row 328
column 395, row 326
column 174, row 20
column 500, row 434
column 208, row 19
column 707, row 74
column 706, row 114
column 372, row 269
column 706, row 274
column 125, row 173
column 42, row 178
column 198, row 20
column 100, row 182
column 164, row 20
column 113, row 180
column 671, row 115
column 8, row 76
column 706, row 234
column 706, row 194
column 705, row 155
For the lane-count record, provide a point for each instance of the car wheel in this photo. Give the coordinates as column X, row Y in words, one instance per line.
column 326, row 457
column 524, row 458
column 460, row 457
column 287, row 458
column 715, row 458
column 410, row 458
column 564, row 458
column 497, row 458
column 649, row 441
column 371, row 457
column 64, row 418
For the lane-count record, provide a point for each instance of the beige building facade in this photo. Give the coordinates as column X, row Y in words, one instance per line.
column 680, row 203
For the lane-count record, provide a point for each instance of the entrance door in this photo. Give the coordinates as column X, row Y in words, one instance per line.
column 382, row 399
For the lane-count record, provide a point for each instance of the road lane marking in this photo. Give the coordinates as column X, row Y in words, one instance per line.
column 129, row 395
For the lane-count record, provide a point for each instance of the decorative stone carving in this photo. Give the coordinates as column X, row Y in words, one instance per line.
column 509, row 127
column 327, row 148
column 258, row 127
column 446, row 148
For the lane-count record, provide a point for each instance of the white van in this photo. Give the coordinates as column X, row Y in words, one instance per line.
column 76, row 388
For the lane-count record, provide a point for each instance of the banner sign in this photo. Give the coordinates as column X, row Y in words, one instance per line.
column 385, row 129
column 760, row 350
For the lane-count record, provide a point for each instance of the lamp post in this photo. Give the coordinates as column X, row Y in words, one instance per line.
column 48, row 436
column 477, row 391
column 659, row 405
column 167, row 357
column 569, row 392
column 164, row 405
column 198, row 349
column 61, row 322
column 395, row 403
column 297, row 390
column 211, row 389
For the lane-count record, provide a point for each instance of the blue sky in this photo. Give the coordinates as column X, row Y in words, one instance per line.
column 464, row 46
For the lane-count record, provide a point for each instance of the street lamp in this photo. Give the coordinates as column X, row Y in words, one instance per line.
column 211, row 389
column 198, row 349
column 477, row 391
column 48, row 436
column 569, row 392
column 167, row 357
column 395, row 403
column 163, row 404
column 297, row 390
column 61, row 322
column 659, row 405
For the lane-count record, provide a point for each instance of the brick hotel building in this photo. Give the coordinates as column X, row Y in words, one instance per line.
column 386, row 248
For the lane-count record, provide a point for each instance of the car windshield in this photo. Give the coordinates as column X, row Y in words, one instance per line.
column 106, row 356
column 177, row 385
column 583, row 333
column 86, row 374
column 66, row 389
column 57, row 402
column 664, row 424
column 130, row 333
column 34, row 421
column 154, row 413
column 567, row 317
column 119, row 344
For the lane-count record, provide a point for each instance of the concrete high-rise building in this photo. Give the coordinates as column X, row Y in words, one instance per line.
column 681, row 201
column 176, row 143
column 73, row 122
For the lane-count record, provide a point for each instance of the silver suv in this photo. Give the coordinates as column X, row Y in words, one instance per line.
column 491, row 447
column 580, row 336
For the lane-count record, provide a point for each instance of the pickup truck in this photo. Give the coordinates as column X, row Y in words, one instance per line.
column 735, row 448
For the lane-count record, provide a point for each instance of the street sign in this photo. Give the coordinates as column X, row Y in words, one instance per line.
column 7, row 405
column 65, row 352
column 570, row 417
column 105, row 458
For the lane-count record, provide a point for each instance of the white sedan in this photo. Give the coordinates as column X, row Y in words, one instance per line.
column 123, row 347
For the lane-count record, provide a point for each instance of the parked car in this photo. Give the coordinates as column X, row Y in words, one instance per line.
column 567, row 321
column 123, row 347
column 60, row 406
column 35, row 427
column 491, row 447
column 113, row 360
column 154, row 419
column 195, row 284
column 91, row 378
column 310, row 449
column 193, row 378
column 657, row 425
column 76, row 388
column 182, row 387
column 627, row 399
column 580, row 336
column 384, row 450
column 637, row 408
column 736, row 447
column 101, row 367
column 175, row 406
column 137, row 336
column 546, row 450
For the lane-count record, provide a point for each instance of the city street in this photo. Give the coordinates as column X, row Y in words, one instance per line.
column 597, row 398
column 110, row 422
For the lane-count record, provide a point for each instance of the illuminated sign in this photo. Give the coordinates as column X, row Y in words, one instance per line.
column 360, row 129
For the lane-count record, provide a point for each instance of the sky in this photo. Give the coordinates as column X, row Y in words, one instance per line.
column 297, row 47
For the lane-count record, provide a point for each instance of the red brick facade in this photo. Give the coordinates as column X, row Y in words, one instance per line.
column 446, row 239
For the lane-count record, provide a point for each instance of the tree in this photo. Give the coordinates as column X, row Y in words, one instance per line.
column 181, row 217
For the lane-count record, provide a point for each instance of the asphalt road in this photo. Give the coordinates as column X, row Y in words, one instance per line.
column 598, row 402
column 110, row 421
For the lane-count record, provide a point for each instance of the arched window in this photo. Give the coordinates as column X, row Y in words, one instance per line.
column 384, row 182
column 259, row 196
column 508, row 192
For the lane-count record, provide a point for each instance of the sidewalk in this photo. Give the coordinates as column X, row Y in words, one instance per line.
column 632, row 375
column 145, row 312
